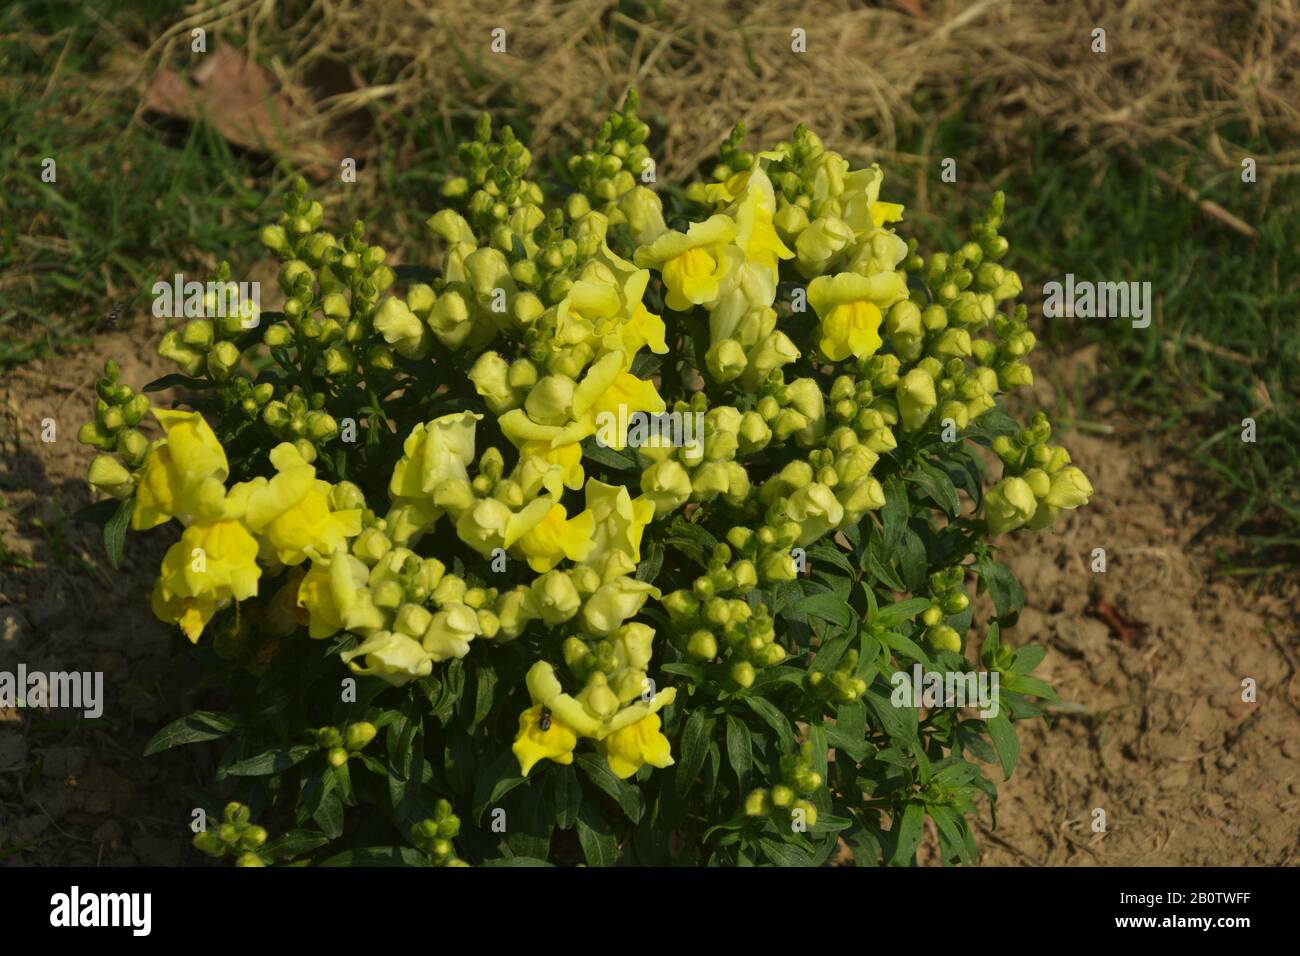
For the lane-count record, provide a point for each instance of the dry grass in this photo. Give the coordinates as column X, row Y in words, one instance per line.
column 1189, row 73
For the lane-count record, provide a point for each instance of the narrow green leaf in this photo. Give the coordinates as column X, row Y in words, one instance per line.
column 1005, row 742
column 115, row 531
column 190, row 729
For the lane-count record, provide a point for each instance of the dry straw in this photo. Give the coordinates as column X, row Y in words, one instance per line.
column 1175, row 72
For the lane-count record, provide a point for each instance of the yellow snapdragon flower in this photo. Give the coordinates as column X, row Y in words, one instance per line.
column 434, row 452
column 213, row 563
column 291, row 512
column 851, row 308
column 629, row 749
column 391, row 656
column 619, row 521
column 608, row 389
column 183, row 475
column 556, row 537
column 533, row 743
column 693, row 263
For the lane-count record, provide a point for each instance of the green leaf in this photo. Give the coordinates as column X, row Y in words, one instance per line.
column 1005, row 742
column 692, row 672
column 626, row 795
column 906, row 647
column 273, row 761
column 783, row 854
column 379, row 856
column 895, row 512
column 908, row 830
column 936, row 484
column 568, row 797
column 495, row 781
column 1007, row 594
column 1027, row 658
column 596, row 837
column 115, row 531
column 912, row 561
column 739, row 749
column 829, row 554
column 601, row 454
column 895, row 614
column 878, row 565
column 406, row 273
column 97, row 512
column 485, row 684
column 770, row 716
column 177, row 380
column 329, row 815
column 649, row 567
column 692, row 541
column 190, row 729
column 694, row 748
column 827, row 606
column 295, row 843
column 516, row 861
column 1029, row 686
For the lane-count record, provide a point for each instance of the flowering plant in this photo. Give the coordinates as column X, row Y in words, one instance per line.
column 627, row 534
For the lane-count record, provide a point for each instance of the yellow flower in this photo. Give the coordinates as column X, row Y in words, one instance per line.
column 861, row 204
column 393, row 657
column 615, row 602
column 619, row 522
column 291, row 512
column 545, row 689
column 816, row 509
column 213, row 563
column 433, row 453
column 334, row 595
column 555, row 538
column 630, row 748
column 183, row 475
column 609, row 393
column 551, row 467
column 851, row 307
column 450, row 632
column 533, row 743
column 694, row 263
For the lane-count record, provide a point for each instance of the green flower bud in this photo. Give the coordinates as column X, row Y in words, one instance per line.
column 1008, row 505
column 916, row 398
column 1070, row 488
column 743, row 674
column 702, row 646
column 222, row 360
column 359, row 734
column 944, row 638
column 132, row 446
column 756, row 803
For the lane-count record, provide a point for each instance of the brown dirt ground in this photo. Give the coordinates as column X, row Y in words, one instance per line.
column 1154, row 733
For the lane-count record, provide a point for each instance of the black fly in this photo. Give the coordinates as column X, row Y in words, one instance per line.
column 114, row 316
column 545, row 722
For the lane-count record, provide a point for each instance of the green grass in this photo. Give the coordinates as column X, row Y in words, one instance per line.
column 1223, row 344
column 130, row 203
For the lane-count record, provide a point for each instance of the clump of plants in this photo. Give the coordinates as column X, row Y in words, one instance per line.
column 615, row 537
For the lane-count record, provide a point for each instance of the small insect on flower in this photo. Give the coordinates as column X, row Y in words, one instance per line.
column 545, row 722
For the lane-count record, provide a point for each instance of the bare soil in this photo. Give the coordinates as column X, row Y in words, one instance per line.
column 1149, row 659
